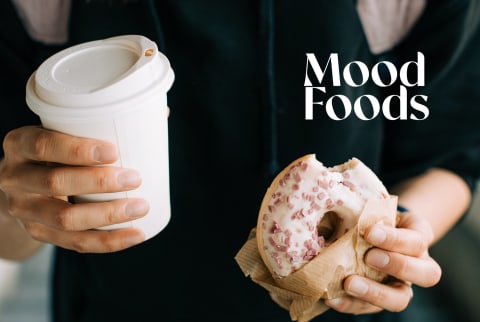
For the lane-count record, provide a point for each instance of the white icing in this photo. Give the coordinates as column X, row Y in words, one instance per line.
column 304, row 195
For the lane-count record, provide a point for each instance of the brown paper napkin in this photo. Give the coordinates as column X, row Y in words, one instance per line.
column 302, row 292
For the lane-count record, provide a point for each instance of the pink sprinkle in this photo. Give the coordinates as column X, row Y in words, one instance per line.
column 329, row 203
column 287, row 242
column 299, row 214
column 304, row 165
column 323, row 184
column 331, row 183
column 315, row 206
column 296, row 187
column 297, row 177
column 348, row 184
column 295, row 259
column 321, row 195
column 346, row 175
column 276, row 195
column 277, row 247
column 290, row 197
column 276, row 228
column 339, row 202
column 265, row 217
column 312, row 249
column 276, row 258
column 311, row 226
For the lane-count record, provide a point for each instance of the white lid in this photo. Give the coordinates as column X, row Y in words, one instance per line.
column 99, row 73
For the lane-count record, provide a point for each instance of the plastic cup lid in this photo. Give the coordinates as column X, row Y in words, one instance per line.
column 99, row 73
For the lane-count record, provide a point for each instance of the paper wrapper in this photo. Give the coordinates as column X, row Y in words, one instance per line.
column 301, row 292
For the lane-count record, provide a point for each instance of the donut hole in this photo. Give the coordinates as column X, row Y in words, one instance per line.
column 328, row 226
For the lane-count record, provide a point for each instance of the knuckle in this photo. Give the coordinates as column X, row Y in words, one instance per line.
column 83, row 244
column 41, row 145
column 110, row 213
column 376, row 294
column 107, row 243
column 7, row 177
column 10, row 142
column 103, row 179
column 33, row 229
column 402, row 266
column 78, row 151
column 14, row 206
column 79, row 244
column 54, row 181
column 64, row 219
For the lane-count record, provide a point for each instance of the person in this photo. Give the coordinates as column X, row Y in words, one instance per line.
column 237, row 118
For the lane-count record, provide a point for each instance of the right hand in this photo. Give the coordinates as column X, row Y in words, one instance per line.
column 42, row 168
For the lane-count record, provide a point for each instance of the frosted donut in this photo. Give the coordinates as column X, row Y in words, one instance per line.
column 308, row 207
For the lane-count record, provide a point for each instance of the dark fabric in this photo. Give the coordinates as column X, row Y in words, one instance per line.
column 217, row 138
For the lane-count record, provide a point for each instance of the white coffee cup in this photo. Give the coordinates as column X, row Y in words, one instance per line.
column 114, row 90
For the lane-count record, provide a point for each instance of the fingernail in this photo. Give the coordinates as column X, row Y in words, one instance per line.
column 133, row 239
column 377, row 258
column 377, row 235
column 357, row 286
column 129, row 178
column 136, row 209
column 105, row 153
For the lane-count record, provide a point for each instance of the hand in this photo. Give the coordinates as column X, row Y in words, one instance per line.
column 41, row 168
column 400, row 252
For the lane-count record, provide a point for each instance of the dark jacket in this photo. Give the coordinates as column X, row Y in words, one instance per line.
column 238, row 117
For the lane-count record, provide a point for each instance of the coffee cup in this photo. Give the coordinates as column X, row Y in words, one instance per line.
column 114, row 90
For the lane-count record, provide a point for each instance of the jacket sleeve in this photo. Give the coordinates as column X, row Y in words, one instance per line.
column 18, row 59
column 448, row 35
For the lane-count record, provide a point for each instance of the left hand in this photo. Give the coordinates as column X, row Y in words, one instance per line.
column 400, row 252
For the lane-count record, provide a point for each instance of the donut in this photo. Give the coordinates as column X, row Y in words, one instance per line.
column 309, row 206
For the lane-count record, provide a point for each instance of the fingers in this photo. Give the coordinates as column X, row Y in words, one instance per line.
column 66, row 181
column 406, row 241
column 90, row 241
column 39, row 144
column 367, row 296
column 69, row 226
column 29, row 184
column 351, row 305
column 403, row 251
column 422, row 271
column 59, row 214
